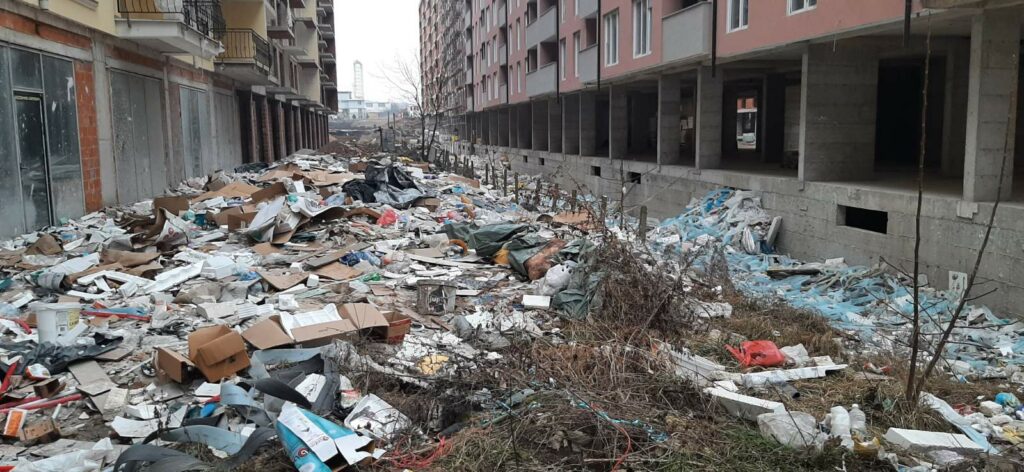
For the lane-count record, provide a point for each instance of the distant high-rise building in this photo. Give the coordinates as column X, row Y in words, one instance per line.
column 357, row 85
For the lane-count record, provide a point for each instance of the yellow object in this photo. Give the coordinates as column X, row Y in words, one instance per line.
column 501, row 257
column 431, row 364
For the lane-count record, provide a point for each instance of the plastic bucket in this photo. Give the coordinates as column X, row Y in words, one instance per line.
column 435, row 297
column 55, row 319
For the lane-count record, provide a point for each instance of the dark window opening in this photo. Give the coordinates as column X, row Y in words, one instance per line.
column 633, row 177
column 526, row 160
column 542, row 161
column 595, row 171
column 862, row 218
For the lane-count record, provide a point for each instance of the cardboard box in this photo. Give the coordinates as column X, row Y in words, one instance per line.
column 363, row 316
column 41, row 429
column 322, row 334
column 268, row 334
column 218, row 352
column 398, row 326
column 173, row 366
column 276, row 190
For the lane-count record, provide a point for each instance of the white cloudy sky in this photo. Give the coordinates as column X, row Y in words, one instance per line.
column 374, row 32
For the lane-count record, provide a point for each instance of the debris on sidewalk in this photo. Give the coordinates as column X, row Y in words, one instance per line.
column 351, row 307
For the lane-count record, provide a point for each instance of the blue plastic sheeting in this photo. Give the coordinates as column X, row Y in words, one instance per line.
column 867, row 302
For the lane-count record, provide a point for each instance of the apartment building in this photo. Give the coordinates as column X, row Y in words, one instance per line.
column 815, row 104
column 114, row 101
column 443, row 25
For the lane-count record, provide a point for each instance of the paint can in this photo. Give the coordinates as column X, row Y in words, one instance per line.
column 435, row 297
column 51, row 280
column 55, row 319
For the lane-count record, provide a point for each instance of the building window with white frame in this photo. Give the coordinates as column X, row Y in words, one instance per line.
column 576, row 54
column 561, row 11
column 738, row 10
column 561, row 58
column 576, row 9
column 520, row 69
column 800, row 6
column 642, row 14
column 611, row 38
column 519, row 39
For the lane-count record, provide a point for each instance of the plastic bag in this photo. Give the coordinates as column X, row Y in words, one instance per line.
column 388, row 218
column 760, row 353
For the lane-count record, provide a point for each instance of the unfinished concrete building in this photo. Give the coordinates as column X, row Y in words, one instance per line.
column 115, row 101
column 815, row 104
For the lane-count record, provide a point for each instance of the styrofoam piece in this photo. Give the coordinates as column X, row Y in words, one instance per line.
column 536, row 301
column 922, row 441
column 743, row 406
column 760, row 379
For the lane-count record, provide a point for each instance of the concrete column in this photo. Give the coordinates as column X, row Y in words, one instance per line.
column 571, row 124
column 280, row 133
column 289, row 129
column 669, row 94
column 494, row 127
column 995, row 45
column 588, row 124
column 554, row 125
column 526, row 126
column 513, row 126
column 618, row 122
column 539, row 119
column 838, row 96
column 104, row 124
column 265, row 129
column 709, row 119
column 773, row 119
column 503, row 129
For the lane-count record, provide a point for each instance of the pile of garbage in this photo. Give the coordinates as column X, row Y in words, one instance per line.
column 247, row 308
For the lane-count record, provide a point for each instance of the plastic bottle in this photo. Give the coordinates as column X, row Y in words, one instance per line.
column 841, row 426
column 858, row 421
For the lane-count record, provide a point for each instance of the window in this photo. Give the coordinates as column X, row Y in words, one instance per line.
column 798, row 6
column 642, row 14
column 561, row 59
column 561, row 11
column 519, row 70
column 576, row 8
column 863, row 218
column 738, row 14
column 611, row 38
column 519, row 39
column 576, row 54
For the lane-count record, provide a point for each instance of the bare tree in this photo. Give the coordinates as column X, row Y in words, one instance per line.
column 406, row 77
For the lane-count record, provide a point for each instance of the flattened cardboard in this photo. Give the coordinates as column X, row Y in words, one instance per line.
column 172, row 366
column 223, row 216
column 46, row 245
column 463, row 180
column 239, row 221
column 363, row 315
column 218, row 352
column 276, row 190
column 338, row 271
column 282, row 280
column 232, row 190
column 265, row 249
column 175, row 205
column 127, row 258
column 267, row 334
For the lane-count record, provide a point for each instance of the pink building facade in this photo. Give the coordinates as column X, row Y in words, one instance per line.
column 814, row 104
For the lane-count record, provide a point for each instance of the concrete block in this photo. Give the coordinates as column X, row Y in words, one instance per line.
column 924, row 441
column 743, row 406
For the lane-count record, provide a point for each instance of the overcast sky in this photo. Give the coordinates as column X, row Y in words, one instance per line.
column 374, row 32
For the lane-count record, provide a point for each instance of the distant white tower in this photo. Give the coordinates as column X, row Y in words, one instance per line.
column 357, row 86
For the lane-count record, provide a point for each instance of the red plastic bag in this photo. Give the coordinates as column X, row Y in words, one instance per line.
column 761, row 353
column 388, row 218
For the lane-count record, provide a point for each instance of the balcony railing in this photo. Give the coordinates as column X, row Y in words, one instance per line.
column 542, row 29
column 686, row 33
column 204, row 16
column 246, row 46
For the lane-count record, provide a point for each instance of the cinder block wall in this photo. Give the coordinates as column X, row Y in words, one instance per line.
column 811, row 229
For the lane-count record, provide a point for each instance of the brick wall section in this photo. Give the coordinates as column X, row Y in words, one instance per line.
column 88, row 136
column 31, row 27
column 134, row 58
column 267, row 133
column 177, row 167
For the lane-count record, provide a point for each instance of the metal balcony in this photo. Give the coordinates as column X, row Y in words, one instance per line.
column 469, row 77
column 542, row 29
column 588, row 8
column 543, row 80
column 686, row 34
column 185, row 27
column 247, row 57
column 587, row 65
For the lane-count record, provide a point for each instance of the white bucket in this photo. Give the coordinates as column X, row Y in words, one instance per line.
column 55, row 319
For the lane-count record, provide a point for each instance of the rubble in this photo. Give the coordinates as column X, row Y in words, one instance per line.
column 292, row 302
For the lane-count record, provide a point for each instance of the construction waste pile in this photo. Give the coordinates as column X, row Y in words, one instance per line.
column 352, row 309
